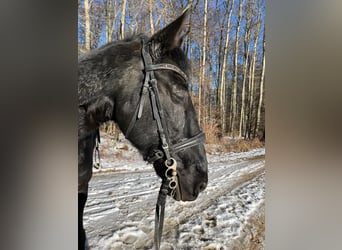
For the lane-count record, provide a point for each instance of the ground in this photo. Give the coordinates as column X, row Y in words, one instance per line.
column 229, row 214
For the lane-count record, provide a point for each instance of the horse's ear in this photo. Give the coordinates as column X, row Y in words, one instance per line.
column 171, row 36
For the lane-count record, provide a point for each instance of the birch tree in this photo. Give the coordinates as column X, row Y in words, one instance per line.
column 87, row 34
column 150, row 10
column 188, row 47
column 247, row 37
column 222, row 81
column 261, row 91
column 202, row 75
column 252, row 80
column 133, row 12
column 110, row 10
column 122, row 20
column 233, row 107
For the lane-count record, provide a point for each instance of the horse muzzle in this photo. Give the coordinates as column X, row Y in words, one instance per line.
column 179, row 193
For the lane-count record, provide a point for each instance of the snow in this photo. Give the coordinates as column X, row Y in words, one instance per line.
column 119, row 213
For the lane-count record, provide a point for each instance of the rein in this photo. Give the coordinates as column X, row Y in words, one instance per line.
column 170, row 181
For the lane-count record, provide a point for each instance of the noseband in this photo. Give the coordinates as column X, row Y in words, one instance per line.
column 170, row 181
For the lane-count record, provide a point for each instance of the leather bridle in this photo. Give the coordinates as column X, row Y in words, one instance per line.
column 150, row 86
column 170, row 181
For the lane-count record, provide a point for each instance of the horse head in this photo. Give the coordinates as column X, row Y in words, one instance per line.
column 178, row 118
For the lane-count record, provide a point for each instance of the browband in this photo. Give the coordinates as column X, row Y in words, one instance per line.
column 166, row 66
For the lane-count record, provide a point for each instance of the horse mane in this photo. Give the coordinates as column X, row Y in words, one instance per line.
column 175, row 56
column 86, row 54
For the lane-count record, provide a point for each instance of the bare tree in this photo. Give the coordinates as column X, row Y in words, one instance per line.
column 188, row 47
column 122, row 20
column 87, row 34
column 133, row 12
column 110, row 10
column 246, row 39
column 150, row 10
column 261, row 90
column 202, row 75
column 252, row 80
column 233, row 106
column 222, row 81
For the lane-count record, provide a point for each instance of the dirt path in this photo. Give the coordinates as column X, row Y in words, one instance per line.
column 229, row 214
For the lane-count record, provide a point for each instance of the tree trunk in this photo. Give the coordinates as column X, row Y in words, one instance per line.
column 110, row 19
column 200, row 90
column 233, row 106
column 133, row 12
column 252, row 83
column 123, row 18
column 150, row 10
column 222, row 84
column 261, row 87
column 189, row 48
column 243, row 94
column 87, row 34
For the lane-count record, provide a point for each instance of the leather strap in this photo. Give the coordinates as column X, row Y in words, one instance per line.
column 188, row 143
column 160, row 213
column 166, row 66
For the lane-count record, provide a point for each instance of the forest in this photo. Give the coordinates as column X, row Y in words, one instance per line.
column 225, row 45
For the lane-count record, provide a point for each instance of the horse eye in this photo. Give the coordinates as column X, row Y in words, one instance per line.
column 179, row 89
column 179, row 95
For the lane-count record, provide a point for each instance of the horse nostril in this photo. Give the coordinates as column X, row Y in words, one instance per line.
column 202, row 186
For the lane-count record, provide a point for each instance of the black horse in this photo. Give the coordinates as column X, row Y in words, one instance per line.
column 141, row 84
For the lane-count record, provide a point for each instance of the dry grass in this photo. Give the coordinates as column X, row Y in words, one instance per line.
column 233, row 145
column 241, row 145
column 211, row 131
column 217, row 144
